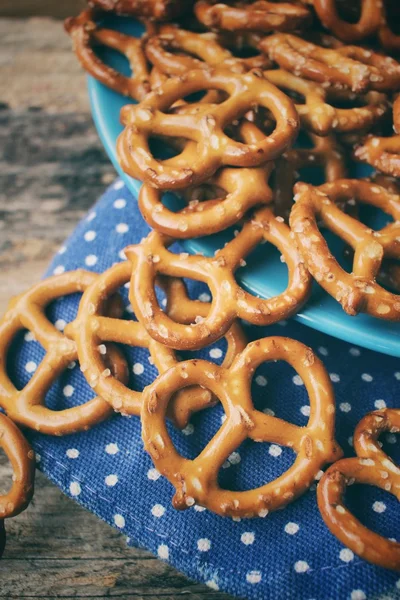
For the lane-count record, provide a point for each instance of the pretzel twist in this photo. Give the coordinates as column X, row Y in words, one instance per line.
column 383, row 153
column 213, row 147
column 196, row 481
column 85, row 34
column 229, row 300
column 158, row 10
column 368, row 24
column 27, row 406
column 372, row 467
column 92, row 329
column 347, row 66
column 357, row 291
column 252, row 15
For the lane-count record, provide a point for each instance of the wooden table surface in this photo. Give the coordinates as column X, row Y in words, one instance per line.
column 52, row 168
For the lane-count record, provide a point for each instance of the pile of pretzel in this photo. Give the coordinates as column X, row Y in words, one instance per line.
column 243, row 95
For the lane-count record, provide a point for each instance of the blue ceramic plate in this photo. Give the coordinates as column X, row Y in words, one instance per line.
column 264, row 274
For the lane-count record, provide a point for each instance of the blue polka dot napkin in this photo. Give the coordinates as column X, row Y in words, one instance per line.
column 289, row 554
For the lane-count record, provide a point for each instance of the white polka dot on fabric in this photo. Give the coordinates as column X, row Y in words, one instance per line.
column 322, row 350
column 119, row 184
column 153, row 474
column 122, row 255
column 358, row 595
column 119, row 520
column 345, row 407
column 282, row 323
column 275, row 450
column 261, row 380
column 350, row 440
column 119, row 203
column 212, row 585
column 334, row 377
column 29, row 336
column 68, row 391
column 30, row 366
column 59, row 270
column 38, row 458
column 301, row 566
column 216, row 353
column 62, row 250
column 60, row 324
column 91, row 260
column 203, row 544
column 234, row 458
column 90, row 236
column 72, row 365
column 397, row 375
column 367, row 377
column 74, row 488
column 138, row 368
column 380, row 404
column 223, row 418
column 72, row 453
column 112, row 449
column 122, row 228
column 253, row 577
column 297, row 380
column 163, row 552
column 305, row 410
column 269, row 411
column 391, row 438
column 158, row 510
column 379, row 507
column 91, row 216
column 198, row 508
column 188, row 430
column 111, row 480
column 318, row 475
column 291, row 528
column 346, row 555
column 247, row 538
column 354, row 352
column 204, row 297
column 398, row 584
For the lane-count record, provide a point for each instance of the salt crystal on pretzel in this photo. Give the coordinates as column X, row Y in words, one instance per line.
column 371, row 466
column 258, row 15
column 196, row 481
column 85, row 34
column 93, row 327
column 27, row 406
column 213, row 147
column 229, row 300
column 357, row 291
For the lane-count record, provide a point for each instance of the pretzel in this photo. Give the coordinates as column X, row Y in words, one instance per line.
column 252, row 15
column 159, row 10
column 371, row 466
column 229, row 300
column 196, row 481
column 357, row 291
column 161, row 50
column 27, row 406
column 367, row 25
column 213, row 147
column 244, row 188
column 92, row 328
column 389, row 40
column 333, row 67
column 383, row 153
column 85, row 34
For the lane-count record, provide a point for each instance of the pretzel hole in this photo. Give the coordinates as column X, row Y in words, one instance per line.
column 392, row 9
column 7, row 473
column 372, row 507
column 390, row 444
column 23, row 358
column 349, row 11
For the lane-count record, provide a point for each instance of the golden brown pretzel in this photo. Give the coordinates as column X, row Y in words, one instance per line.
column 244, row 188
column 22, row 459
column 333, row 66
column 196, row 481
column 27, row 406
column 213, row 147
column 229, row 300
column 357, row 291
column 320, row 116
column 85, row 34
column 159, row 10
column 370, row 19
column 252, row 15
column 383, row 153
column 92, row 329
column 372, row 467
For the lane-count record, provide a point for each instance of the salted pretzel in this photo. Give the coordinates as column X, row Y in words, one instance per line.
column 252, row 15
column 388, row 39
column 229, row 300
column 213, row 147
column 27, row 406
column 175, row 51
column 371, row 466
column 370, row 18
column 243, row 189
column 92, row 329
column 158, row 10
column 357, row 291
column 383, row 153
column 196, row 481
column 344, row 67
column 318, row 113
column 85, row 33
